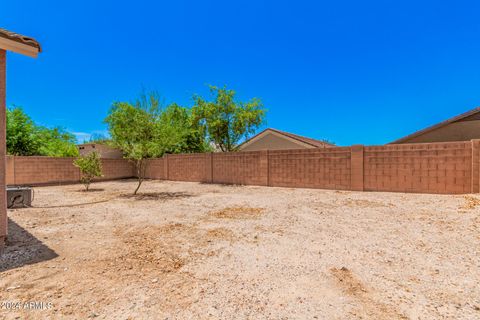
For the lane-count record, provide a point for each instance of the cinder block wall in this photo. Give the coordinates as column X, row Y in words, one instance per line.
column 117, row 169
column 43, row 170
column 249, row 168
column 52, row 170
column 428, row 168
column 449, row 168
column 188, row 167
column 156, row 169
column 328, row 168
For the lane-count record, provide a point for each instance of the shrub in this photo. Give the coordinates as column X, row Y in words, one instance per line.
column 90, row 167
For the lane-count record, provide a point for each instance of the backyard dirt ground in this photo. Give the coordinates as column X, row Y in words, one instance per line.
column 182, row 250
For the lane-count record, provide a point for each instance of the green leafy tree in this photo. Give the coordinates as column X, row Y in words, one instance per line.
column 21, row 133
column 225, row 120
column 135, row 128
column 90, row 167
column 98, row 138
column 25, row 138
column 56, row 142
column 178, row 123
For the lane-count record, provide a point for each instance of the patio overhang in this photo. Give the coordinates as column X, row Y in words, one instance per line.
column 10, row 41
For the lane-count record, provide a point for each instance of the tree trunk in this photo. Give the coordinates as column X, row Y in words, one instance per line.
column 141, row 169
column 138, row 186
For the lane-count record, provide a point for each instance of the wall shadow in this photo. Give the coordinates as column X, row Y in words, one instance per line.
column 22, row 248
column 227, row 185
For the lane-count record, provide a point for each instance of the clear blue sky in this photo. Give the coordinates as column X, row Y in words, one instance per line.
column 348, row 71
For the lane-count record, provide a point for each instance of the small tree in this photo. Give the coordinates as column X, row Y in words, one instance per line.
column 137, row 131
column 90, row 167
column 227, row 121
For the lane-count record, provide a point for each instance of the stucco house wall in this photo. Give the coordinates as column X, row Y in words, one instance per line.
column 272, row 139
column 273, row 142
column 457, row 131
column 464, row 127
column 104, row 151
column 13, row 42
column 3, row 196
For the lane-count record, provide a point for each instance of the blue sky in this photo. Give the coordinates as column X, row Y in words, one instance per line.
column 348, row 71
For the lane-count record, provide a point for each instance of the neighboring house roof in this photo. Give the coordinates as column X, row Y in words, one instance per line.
column 473, row 114
column 96, row 144
column 303, row 140
column 19, row 43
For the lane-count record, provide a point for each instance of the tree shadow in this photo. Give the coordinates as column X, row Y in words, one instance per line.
column 91, row 190
column 157, row 195
column 125, row 180
column 22, row 248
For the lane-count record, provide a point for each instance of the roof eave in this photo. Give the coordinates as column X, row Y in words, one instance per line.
column 18, row 47
column 305, row 140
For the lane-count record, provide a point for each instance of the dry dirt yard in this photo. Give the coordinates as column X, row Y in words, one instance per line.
column 187, row 250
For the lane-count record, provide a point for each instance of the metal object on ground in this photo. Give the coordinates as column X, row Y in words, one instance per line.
column 19, row 197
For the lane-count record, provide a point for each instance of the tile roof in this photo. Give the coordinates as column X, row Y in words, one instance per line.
column 20, row 39
column 309, row 141
column 439, row 125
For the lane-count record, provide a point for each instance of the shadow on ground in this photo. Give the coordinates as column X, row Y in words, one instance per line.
column 73, row 204
column 22, row 248
column 91, row 190
column 127, row 180
column 157, row 195
column 231, row 185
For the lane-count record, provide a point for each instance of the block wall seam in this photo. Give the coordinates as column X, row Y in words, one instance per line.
column 475, row 171
column 357, row 168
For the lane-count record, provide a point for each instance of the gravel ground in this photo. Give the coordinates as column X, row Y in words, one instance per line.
column 183, row 250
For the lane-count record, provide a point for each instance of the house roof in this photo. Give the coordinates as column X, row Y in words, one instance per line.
column 19, row 43
column 305, row 140
column 473, row 114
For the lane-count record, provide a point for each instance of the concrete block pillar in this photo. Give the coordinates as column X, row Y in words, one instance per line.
column 356, row 167
column 3, row 147
column 209, row 167
column 10, row 172
column 476, row 166
column 165, row 167
column 264, row 165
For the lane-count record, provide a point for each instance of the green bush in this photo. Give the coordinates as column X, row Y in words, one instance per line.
column 90, row 167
